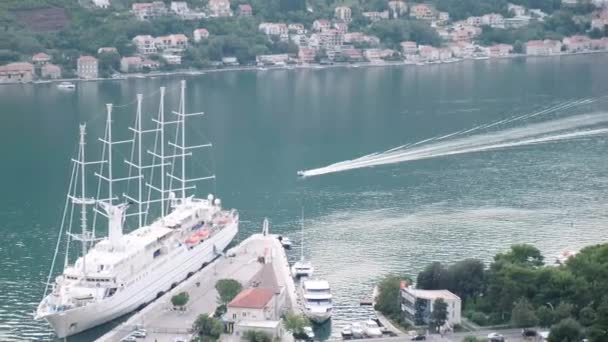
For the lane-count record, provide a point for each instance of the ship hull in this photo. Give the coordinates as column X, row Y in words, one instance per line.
column 155, row 280
column 318, row 317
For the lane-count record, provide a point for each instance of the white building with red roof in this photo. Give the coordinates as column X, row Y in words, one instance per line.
column 41, row 58
column 577, row 43
column 343, row 13
column 321, row 25
column 50, row 71
column 149, row 10
column 244, row 10
column 258, row 307
column 219, row 8
column 145, row 44
column 87, row 67
column 19, row 72
column 543, row 47
column 423, row 12
column 200, row 34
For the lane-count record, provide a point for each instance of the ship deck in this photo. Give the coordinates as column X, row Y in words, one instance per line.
column 163, row 324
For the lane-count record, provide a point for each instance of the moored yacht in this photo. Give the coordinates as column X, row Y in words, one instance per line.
column 117, row 274
column 317, row 299
column 66, row 86
column 302, row 267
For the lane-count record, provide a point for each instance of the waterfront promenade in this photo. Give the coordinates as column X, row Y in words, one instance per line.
column 162, row 323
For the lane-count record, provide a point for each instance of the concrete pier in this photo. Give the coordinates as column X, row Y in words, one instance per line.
column 162, row 323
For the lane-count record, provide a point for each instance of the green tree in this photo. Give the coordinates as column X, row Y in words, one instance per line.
column 473, row 339
column 207, row 328
column 257, row 336
column 227, row 289
column 295, row 323
column 599, row 329
column 433, row 277
column 523, row 255
column 563, row 311
column 523, row 314
column 387, row 300
column 545, row 315
column 180, row 299
column 466, row 278
column 567, row 330
column 439, row 314
column 587, row 316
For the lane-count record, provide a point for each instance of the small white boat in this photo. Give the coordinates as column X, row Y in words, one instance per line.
column 347, row 332
column 66, row 85
column 309, row 333
column 357, row 330
column 317, row 299
column 372, row 329
column 285, row 242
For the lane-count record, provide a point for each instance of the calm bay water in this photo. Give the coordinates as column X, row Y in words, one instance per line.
column 361, row 224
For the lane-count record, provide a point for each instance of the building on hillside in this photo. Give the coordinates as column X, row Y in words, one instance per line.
column 359, row 37
column 417, row 305
column 374, row 55
column 464, row 33
column 474, row 21
column 462, row 49
column 180, row 8
column 423, row 12
column 276, row 59
column 499, row 50
column 599, row 44
column 19, row 72
column 321, row 25
column 296, row 28
column 517, row 10
column 375, row 16
column 517, row 22
column 219, row 8
column 149, row 10
column 101, row 3
column 577, row 43
column 172, row 58
column 149, row 64
column 443, row 17
column 145, row 44
column 306, row 54
column 176, row 42
column 50, row 71
column 543, row 48
column 244, row 10
column 428, row 53
column 107, row 49
column 200, row 34
column 343, row 13
column 352, row 54
column 445, row 54
column 258, row 307
column 493, row 19
column 275, row 29
column 341, row 26
column 40, row 59
column 87, row 67
column 130, row 64
column 409, row 48
column 330, row 39
column 398, row 8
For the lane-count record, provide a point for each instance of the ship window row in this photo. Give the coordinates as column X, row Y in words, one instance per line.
column 71, row 277
column 97, row 280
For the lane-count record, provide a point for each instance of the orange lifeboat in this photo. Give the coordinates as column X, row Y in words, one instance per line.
column 203, row 233
column 193, row 239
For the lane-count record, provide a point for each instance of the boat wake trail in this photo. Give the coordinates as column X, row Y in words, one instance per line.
column 573, row 127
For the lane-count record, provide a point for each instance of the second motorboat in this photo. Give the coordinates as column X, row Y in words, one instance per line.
column 317, row 300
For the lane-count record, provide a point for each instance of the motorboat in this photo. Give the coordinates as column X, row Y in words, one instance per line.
column 372, row 329
column 301, row 173
column 357, row 330
column 347, row 332
column 285, row 242
column 66, row 86
column 317, row 300
column 303, row 267
column 309, row 333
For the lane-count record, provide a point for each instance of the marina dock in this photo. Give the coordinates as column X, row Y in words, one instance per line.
column 162, row 323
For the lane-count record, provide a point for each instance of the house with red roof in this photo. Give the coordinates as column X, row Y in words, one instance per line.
column 87, row 67
column 19, row 72
column 244, row 10
column 258, row 307
column 40, row 59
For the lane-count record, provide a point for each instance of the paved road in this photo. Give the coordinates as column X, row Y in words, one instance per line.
column 511, row 335
column 163, row 324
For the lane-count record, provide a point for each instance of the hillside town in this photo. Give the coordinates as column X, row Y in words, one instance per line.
column 326, row 41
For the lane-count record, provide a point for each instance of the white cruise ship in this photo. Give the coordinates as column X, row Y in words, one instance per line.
column 117, row 274
column 317, row 300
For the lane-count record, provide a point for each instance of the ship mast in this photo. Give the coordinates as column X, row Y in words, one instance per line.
column 85, row 236
column 183, row 151
column 302, row 228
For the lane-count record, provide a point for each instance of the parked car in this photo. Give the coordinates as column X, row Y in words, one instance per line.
column 179, row 339
column 372, row 329
column 419, row 338
column 140, row 333
column 495, row 337
column 528, row 333
column 129, row 338
column 357, row 330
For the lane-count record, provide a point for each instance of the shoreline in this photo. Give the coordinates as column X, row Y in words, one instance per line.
column 314, row 66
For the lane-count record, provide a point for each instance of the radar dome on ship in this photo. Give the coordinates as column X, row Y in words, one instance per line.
column 210, row 198
column 217, row 202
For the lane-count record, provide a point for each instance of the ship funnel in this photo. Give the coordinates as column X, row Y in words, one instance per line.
column 116, row 216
